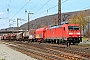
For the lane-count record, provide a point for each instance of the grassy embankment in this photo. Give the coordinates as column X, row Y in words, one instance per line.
column 85, row 42
column 2, row 59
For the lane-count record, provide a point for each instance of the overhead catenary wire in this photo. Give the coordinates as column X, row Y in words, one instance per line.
column 3, row 2
column 20, row 9
column 86, row 8
column 36, row 4
column 42, row 7
column 8, row 9
column 8, row 6
column 45, row 11
column 49, row 9
column 52, row 8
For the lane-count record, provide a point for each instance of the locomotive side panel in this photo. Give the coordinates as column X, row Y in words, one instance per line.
column 59, row 33
column 55, row 33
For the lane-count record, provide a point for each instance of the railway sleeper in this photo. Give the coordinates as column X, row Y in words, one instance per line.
column 40, row 54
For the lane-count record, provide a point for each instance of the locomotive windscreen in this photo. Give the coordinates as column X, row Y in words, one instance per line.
column 73, row 27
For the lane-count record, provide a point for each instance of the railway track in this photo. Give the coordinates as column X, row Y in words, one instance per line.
column 83, row 52
column 53, row 54
column 46, row 51
column 73, row 50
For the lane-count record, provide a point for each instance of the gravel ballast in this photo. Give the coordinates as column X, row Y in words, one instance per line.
column 6, row 53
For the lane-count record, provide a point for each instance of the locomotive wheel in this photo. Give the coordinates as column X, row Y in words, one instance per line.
column 56, row 41
column 68, row 43
column 73, row 43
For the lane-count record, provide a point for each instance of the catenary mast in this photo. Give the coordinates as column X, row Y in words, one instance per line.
column 59, row 12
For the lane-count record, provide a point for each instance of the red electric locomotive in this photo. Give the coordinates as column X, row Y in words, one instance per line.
column 66, row 33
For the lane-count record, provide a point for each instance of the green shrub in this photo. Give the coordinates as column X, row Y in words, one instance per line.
column 2, row 59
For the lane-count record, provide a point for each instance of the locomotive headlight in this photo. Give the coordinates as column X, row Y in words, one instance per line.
column 79, row 36
column 70, row 33
column 78, row 33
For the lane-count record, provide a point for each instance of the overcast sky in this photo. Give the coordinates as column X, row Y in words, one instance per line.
column 13, row 9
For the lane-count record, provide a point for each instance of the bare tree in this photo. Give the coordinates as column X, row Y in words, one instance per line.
column 81, row 19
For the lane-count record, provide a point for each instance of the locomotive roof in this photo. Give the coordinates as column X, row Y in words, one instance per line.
column 59, row 26
column 55, row 26
column 40, row 29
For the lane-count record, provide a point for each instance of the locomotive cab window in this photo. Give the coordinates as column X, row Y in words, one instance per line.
column 64, row 28
column 73, row 28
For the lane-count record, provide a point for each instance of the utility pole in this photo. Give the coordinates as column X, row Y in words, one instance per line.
column 28, row 20
column 65, row 16
column 59, row 12
column 88, row 26
column 8, row 15
column 17, row 23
